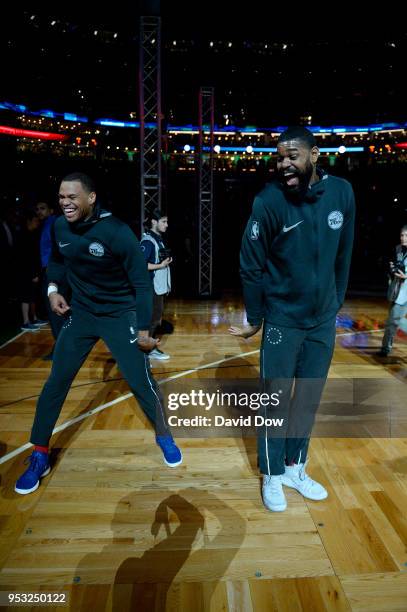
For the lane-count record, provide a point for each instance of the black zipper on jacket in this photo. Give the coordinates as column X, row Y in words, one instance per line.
column 316, row 258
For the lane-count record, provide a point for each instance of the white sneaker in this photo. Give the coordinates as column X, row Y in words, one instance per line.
column 273, row 494
column 296, row 477
column 157, row 354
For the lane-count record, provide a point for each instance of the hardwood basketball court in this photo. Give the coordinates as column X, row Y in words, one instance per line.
column 118, row 530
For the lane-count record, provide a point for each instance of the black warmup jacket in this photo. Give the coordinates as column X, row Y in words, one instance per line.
column 295, row 257
column 102, row 260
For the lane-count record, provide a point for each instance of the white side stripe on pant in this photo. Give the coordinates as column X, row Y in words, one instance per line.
column 265, row 415
column 152, row 388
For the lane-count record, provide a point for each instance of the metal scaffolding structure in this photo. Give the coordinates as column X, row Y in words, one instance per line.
column 150, row 114
column 205, row 183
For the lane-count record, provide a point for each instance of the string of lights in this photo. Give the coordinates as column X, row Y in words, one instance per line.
column 386, row 127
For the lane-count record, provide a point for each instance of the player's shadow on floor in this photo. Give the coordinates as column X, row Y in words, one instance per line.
column 144, row 580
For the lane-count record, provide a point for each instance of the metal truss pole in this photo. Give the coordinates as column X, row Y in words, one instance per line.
column 150, row 114
column 205, row 180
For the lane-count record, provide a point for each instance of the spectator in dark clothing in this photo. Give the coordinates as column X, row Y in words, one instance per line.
column 28, row 272
column 46, row 214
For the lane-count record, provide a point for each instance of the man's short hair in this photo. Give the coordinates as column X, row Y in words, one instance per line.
column 298, row 132
column 87, row 183
column 153, row 215
column 403, row 229
column 158, row 214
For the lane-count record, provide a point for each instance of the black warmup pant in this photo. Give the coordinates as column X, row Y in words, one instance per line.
column 56, row 322
column 292, row 356
column 79, row 334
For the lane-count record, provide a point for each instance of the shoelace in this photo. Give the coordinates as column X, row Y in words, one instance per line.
column 302, row 475
column 34, row 462
column 274, row 483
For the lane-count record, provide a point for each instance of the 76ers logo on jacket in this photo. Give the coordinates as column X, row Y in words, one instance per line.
column 254, row 234
column 96, row 249
column 335, row 219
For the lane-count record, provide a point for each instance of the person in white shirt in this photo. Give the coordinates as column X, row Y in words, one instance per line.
column 158, row 261
column 397, row 295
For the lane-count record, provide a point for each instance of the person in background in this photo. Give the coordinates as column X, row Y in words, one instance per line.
column 28, row 272
column 397, row 295
column 158, row 261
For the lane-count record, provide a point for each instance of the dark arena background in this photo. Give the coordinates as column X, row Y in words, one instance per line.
column 180, row 106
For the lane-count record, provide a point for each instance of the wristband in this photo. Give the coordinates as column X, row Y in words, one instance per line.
column 52, row 288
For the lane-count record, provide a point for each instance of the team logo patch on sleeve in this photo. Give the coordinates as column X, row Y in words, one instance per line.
column 254, row 234
column 96, row 249
column 335, row 219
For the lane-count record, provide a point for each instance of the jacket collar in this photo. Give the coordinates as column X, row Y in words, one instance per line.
column 98, row 214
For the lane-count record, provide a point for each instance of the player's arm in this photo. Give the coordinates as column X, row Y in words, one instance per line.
column 56, row 274
column 253, row 255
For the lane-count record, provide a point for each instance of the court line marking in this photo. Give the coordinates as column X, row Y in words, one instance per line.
column 81, row 417
column 13, row 338
column 206, row 366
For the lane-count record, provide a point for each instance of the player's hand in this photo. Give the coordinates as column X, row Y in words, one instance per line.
column 147, row 343
column 400, row 275
column 58, row 303
column 166, row 262
column 244, row 332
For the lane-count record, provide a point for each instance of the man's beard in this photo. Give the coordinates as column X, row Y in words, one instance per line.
column 297, row 192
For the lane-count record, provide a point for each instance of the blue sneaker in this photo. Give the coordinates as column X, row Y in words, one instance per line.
column 30, row 480
column 29, row 327
column 40, row 323
column 171, row 452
